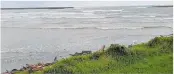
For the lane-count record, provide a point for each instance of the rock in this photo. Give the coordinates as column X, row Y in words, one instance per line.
column 13, row 71
column 76, row 54
column 86, row 52
column 47, row 64
column 130, row 46
column 82, row 53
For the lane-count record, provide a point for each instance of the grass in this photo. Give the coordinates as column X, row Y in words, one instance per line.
column 153, row 57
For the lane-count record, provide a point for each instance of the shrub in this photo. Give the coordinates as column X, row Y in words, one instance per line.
column 153, row 42
column 161, row 42
column 97, row 55
column 116, row 49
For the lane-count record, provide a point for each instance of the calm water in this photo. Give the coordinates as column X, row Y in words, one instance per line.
column 38, row 35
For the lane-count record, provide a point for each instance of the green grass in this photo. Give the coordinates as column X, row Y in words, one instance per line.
column 153, row 57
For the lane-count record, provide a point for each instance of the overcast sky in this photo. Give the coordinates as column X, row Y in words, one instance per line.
column 23, row 4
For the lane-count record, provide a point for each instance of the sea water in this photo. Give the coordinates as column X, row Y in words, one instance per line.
column 30, row 36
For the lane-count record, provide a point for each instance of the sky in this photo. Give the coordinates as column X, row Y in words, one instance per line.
column 24, row 4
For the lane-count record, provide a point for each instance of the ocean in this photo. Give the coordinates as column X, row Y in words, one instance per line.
column 30, row 36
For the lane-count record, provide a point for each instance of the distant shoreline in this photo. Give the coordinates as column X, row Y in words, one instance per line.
column 38, row 8
column 163, row 6
column 70, row 7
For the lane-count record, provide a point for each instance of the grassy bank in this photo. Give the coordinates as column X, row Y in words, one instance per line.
column 153, row 57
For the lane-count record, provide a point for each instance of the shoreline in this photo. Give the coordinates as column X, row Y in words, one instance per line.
column 36, row 8
column 41, row 66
